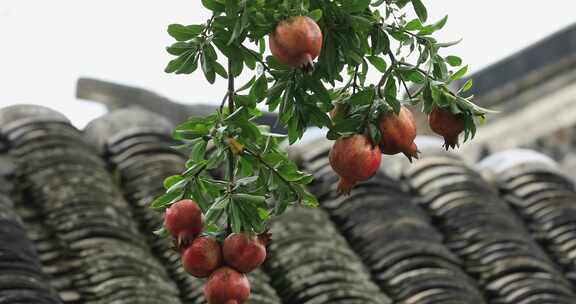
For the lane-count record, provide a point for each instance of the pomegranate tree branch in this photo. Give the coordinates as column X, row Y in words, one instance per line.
column 271, row 168
column 231, row 155
column 395, row 62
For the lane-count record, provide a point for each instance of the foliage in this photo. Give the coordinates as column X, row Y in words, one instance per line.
column 259, row 181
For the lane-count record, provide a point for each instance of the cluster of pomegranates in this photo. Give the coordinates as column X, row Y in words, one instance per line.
column 296, row 42
column 356, row 159
column 225, row 265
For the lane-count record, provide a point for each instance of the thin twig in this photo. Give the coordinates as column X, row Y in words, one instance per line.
column 394, row 62
column 355, row 85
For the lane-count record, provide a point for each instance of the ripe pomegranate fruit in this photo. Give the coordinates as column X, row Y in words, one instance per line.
column 227, row 286
column 447, row 124
column 354, row 159
column 398, row 133
column 183, row 220
column 244, row 252
column 296, row 41
column 202, row 257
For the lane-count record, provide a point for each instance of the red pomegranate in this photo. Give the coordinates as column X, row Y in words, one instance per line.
column 183, row 220
column 296, row 41
column 202, row 257
column 244, row 252
column 355, row 160
column 398, row 133
column 227, row 286
column 447, row 124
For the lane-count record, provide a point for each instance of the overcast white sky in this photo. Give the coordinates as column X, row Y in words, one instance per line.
column 47, row 44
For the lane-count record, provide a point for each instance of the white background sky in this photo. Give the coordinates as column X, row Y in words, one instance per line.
column 47, row 44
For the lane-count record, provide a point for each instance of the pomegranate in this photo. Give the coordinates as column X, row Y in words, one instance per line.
column 296, row 41
column 447, row 124
column 244, row 252
column 227, row 286
column 202, row 257
column 354, row 159
column 398, row 133
column 183, row 220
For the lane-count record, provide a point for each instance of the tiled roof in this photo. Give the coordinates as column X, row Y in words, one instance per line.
column 529, row 67
column 437, row 231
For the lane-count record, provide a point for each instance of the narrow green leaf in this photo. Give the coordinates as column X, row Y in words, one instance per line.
column 184, row 33
column 236, row 219
column 166, row 200
column 459, row 74
column 454, row 61
column 171, row 180
column 420, row 10
column 378, row 63
column 467, row 86
column 315, row 14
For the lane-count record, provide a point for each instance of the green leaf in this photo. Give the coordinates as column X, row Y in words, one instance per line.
column 236, row 32
column 247, row 85
column 171, row 180
column 220, row 70
column 378, row 63
column 247, row 180
column 184, row 33
column 413, row 25
column 316, row 85
column 208, row 68
column 454, row 61
column 245, row 101
column 261, row 46
column 166, row 200
column 195, row 169
column 258, row 91
column 232, row 7
column 448, row 44
column 420, row 10
column 467, row 86
column 390, row 93
column 374, row 132
column 459, row 74
column 256, row 199
column 362, row 97
column 213, row 5
column 356, row 6
column 263, row 214
column 216, row 210
column 440, row 24
column 236, row 220
column 198, row 151
column 180, row 48
column 310, row 200
column 316, row 15
column 348, row 126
